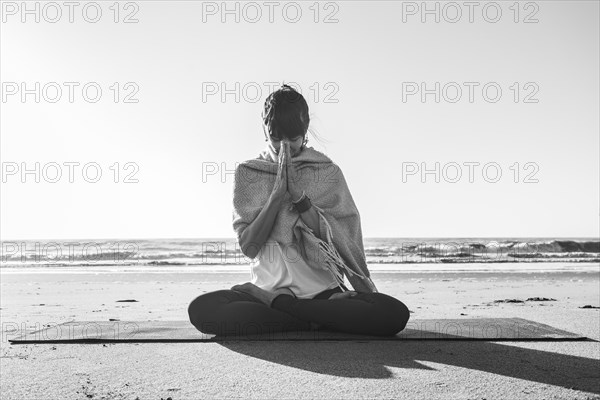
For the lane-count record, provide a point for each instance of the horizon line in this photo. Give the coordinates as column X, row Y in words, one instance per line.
column 364, row 237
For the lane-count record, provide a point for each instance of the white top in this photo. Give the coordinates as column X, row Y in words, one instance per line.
column 276, row 267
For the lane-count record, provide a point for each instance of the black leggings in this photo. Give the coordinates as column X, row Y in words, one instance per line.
column 229, row 312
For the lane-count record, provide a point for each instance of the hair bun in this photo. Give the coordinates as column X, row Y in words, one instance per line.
column 285, row 113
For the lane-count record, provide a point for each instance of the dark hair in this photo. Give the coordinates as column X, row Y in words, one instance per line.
column 285, row 113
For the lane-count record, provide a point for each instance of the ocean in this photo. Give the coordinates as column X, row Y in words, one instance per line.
column 381, row 253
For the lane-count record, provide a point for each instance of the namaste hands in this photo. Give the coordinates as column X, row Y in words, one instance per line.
column 287, row 175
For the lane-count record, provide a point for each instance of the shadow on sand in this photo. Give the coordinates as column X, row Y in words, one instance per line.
column 369, row 359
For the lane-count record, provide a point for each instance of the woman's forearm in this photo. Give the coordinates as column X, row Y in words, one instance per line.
column 256, row 234
column 311, row 218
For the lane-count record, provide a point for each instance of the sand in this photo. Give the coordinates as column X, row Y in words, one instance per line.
column 359, row 369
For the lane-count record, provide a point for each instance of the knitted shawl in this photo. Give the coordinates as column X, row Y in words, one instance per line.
column 339, row 247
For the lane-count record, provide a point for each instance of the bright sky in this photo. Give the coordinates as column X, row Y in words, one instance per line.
column 362, row 79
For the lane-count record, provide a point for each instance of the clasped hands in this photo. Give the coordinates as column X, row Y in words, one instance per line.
column 287, row 175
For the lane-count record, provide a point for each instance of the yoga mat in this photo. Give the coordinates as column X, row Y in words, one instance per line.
column 488, row 329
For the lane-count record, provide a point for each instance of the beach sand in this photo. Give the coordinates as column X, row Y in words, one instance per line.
column 355, row 369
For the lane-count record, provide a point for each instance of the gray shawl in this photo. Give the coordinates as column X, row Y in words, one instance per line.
column 341, row 248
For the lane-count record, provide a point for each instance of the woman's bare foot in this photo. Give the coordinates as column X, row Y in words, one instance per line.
column 344, row 295
column 261, row 294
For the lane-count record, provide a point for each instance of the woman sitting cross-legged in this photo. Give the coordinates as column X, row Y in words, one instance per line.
column 295, row 217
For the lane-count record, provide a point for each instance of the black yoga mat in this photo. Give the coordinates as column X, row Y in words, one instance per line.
column 489, row 329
